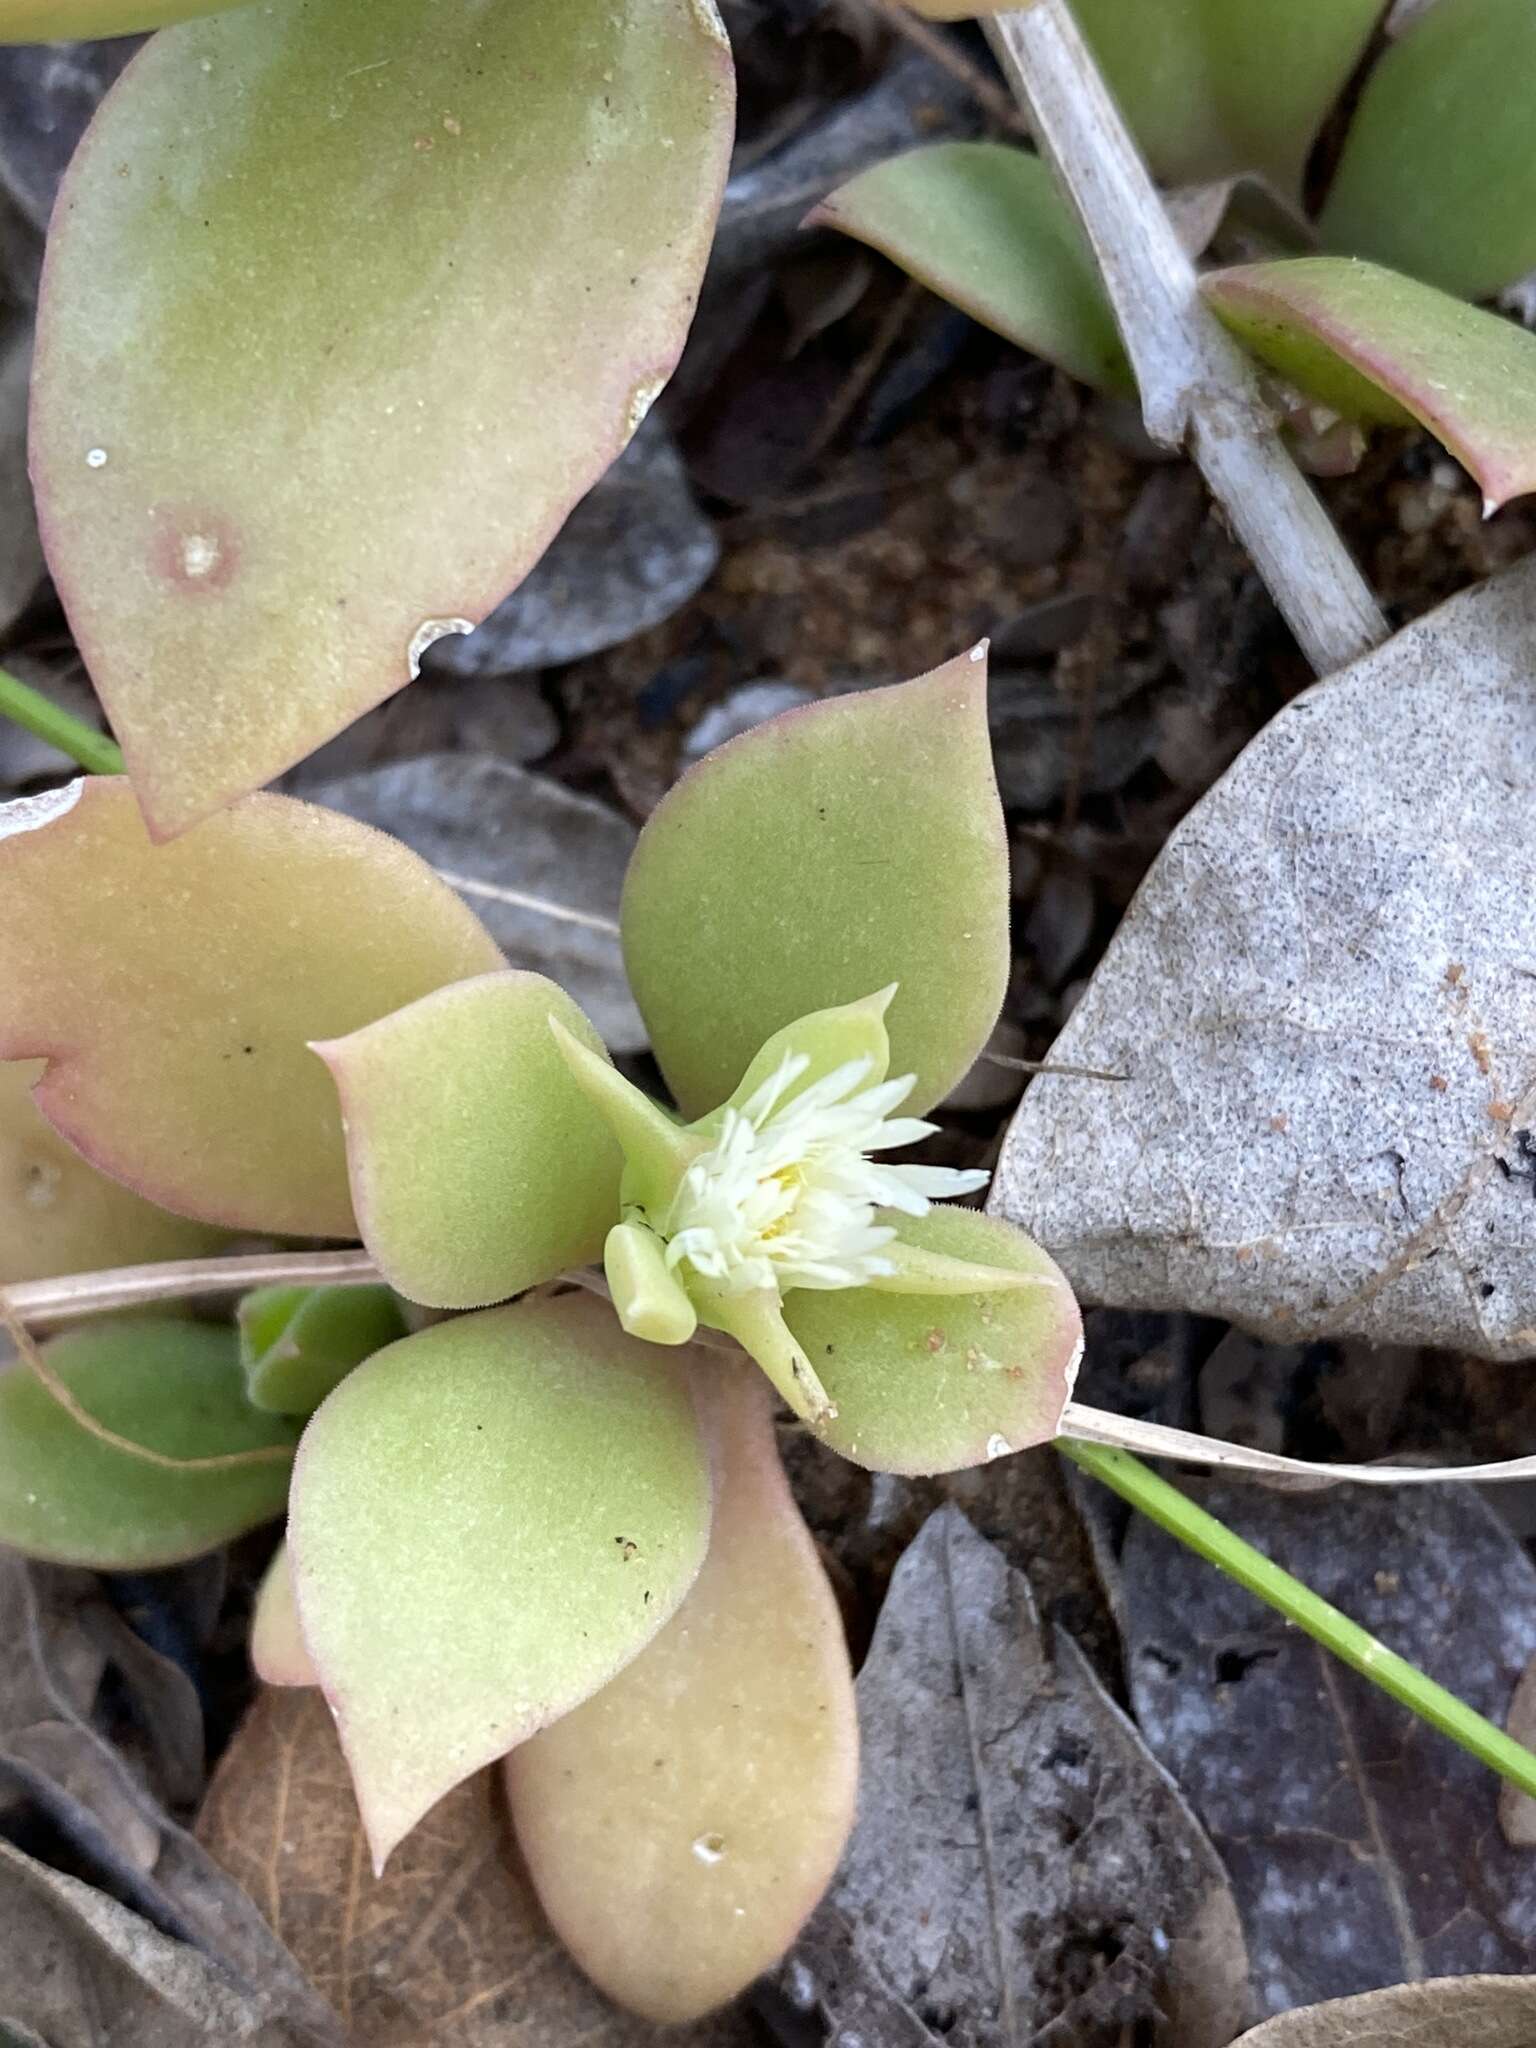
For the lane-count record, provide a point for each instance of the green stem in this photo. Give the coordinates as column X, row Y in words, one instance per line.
column 1175, row 1512
column 27, row 707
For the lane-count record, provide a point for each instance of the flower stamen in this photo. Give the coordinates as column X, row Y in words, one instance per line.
column 787, row 1196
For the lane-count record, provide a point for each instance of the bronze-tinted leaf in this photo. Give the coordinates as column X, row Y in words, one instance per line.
column 681, row 1824
column 1378, row 346
column 58, row 1215
column 173, row 990
column 346, row 306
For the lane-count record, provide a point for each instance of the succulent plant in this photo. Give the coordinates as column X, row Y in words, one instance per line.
column 1358, row 304
column 553, row 1519
column 344, row 309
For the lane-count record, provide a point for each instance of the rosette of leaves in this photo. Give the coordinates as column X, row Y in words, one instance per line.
column 345, row 307
column 1361, row 300
column 551, row 1525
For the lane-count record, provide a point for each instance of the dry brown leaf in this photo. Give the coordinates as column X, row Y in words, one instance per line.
column 448, row 1949
column 1453, row 2012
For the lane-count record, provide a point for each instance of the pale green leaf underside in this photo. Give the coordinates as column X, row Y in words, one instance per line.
column 174, row 988
column 930, row 1383
column 478, row 1165
column 170, row 1385
column 346, row 306
column 983, row 225
column 1378, row 346
column 837, row 849
column 1438, row 176
column 488, row 1521
column 1214, row 88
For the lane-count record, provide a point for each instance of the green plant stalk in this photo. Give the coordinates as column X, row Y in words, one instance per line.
column 27, row 707
column 1214, row 1541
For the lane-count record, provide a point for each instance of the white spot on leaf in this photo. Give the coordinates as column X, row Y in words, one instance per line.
column 641, row 399
column 709, row 19
column 96, row 458
column 427, row 634
column 200, row 554
column 31, row 813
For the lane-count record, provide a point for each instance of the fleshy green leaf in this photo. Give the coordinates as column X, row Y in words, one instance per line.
column 170, row 1385
column 682, row 1823
column 347, row 305
column 59, row 1215
column 299, row 1343
column 478, row 1165
column 927, row 1383
column 278, row 1651
column 984, row 226
column 656, row 1149
column 1377, row 346
column 826, row 1040
column 1217, row 87
column 1438, row 176
column 489, row 1520
column 49, row 21
column 174, row 989
column 648, row 1298
column 836, row 849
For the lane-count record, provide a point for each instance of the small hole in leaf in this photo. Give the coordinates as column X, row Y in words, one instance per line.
column 1232, row 1666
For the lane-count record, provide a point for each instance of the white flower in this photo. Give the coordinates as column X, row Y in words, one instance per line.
column 787, row 1197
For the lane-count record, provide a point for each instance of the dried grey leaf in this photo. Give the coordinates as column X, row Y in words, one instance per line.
column 48, row 92
column 1325, row 997
column 78, row 1970
column 52, row 1757
column 1021, row 1870
column 1362, row 1845
column 502, row 834
column 1456, row 2012
column 21, row 551
column 914, row 101
column 635, row 549
column 742, row 709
